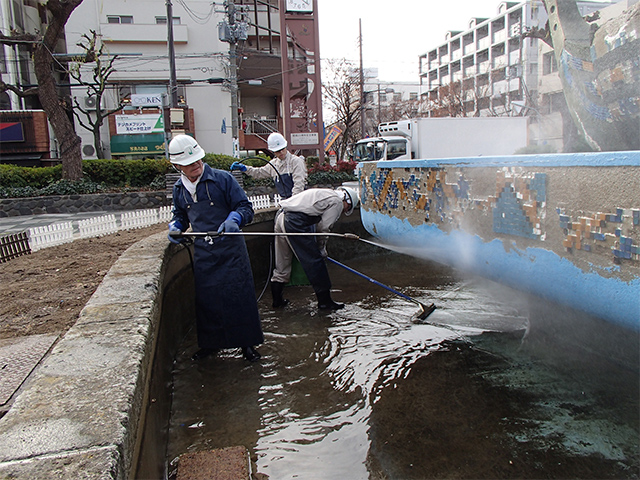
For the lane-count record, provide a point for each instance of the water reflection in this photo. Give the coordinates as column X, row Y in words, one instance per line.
column 366, row 392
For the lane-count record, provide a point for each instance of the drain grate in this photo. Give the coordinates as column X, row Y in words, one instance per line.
column 18, row 357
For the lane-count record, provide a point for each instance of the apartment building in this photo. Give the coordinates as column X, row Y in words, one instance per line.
column 490, row 68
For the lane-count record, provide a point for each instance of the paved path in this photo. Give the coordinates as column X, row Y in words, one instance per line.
column 22, row 223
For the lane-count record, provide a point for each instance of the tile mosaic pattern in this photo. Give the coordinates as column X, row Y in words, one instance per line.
column 602, row 232
column 517, row 206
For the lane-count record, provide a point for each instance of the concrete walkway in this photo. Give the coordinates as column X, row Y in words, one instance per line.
column 9, row 225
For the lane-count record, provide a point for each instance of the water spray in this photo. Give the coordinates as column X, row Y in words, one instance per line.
column 210, row 237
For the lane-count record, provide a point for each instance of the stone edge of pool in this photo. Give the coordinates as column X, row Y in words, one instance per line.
column 80, row 411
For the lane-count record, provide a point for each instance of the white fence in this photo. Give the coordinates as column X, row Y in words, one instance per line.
column 50, row 235
column 98, row 226
column 59, row 233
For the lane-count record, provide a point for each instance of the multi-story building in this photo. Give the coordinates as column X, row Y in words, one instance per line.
column 490, row 68
column 217, row 65
column 386, row 101
column 224, row 65
column 205, row 77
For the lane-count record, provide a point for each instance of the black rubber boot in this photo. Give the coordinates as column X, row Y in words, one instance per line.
column 251, row 354
column 326, row 303
column 276, row 294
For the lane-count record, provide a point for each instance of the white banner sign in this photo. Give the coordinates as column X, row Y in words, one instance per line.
column 149, row 123
column 142, row 100
column 304, row 138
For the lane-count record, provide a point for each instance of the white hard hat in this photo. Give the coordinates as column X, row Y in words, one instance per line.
column 276, row 142
column 351, row 197
column 184, row 150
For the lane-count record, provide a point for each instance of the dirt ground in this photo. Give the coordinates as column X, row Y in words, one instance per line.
column 45, row 291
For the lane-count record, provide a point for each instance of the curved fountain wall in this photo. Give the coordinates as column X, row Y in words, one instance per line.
column 565, row 227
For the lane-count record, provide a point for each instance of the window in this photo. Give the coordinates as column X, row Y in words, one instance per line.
column 163, row 20
column 119, row 19
column 3, row 61
column 549, row 64
column 396, row 149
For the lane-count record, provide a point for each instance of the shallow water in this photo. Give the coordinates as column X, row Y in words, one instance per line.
column 486, row 387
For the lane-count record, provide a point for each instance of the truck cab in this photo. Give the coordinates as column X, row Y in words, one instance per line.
column 394, row 143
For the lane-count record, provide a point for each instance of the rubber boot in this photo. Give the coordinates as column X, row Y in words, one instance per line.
column 276, row 294
column 251, row 354
column 326, row 303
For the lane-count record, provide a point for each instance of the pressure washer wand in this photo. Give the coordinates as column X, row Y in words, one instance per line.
column 176, row 234
column 425, row 310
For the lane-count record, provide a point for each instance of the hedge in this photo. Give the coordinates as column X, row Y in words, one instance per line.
column 107, row 175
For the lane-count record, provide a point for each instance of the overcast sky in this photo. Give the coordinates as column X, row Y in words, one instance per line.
column 394, row 32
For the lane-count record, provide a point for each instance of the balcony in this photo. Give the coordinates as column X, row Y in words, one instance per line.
column 499, row 61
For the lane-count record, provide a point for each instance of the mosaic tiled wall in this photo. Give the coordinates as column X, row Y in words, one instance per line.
column 516, row 208
column 603, row 232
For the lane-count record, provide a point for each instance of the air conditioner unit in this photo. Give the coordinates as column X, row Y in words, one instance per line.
column 88, row 151
column 90, row 101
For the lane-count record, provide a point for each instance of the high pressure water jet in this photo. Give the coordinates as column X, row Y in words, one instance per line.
column 425, row 310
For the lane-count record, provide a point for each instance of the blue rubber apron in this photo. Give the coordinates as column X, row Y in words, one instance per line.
column 226, row 307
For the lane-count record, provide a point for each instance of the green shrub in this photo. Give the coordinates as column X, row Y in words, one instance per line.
column 125, row 173
column 59, row 187
column 325, row 173
column 12, row 176
column 330, row 178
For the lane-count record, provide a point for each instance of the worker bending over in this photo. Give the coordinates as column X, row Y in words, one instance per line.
column 313, row 211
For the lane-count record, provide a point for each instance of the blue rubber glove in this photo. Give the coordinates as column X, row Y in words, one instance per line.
column 231, row 224
column 175, row 226
column 238, row 166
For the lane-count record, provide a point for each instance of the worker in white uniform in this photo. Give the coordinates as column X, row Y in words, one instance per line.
column 289, row 172
column 313, row 211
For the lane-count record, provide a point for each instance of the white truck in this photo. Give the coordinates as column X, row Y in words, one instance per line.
column 443, row 137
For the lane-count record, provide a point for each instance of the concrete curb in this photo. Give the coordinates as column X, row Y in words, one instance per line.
column 79, row 414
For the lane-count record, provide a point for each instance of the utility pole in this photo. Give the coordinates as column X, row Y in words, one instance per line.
column 173, row 82
column 361, row 85
column 232, row 31
column 233, row 71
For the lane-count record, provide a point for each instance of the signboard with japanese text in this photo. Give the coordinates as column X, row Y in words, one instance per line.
column 307, row 138
column 331, row 137
column 139, row 124
column 146, row 144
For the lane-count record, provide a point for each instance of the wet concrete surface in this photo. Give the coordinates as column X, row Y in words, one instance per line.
column 489, row 386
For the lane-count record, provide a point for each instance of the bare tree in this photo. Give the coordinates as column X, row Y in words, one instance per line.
column 56, row 107
column 341, row 92
column 101, row 69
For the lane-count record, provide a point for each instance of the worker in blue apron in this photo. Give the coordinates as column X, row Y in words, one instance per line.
column 211, row 200
column 289, row 172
